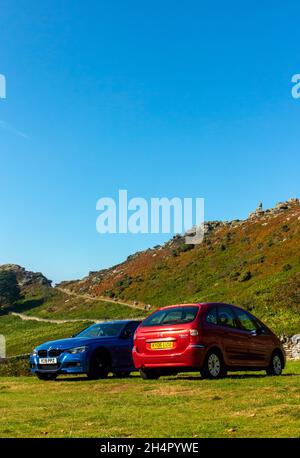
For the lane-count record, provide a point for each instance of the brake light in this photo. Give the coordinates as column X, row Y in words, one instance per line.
column 194, row 332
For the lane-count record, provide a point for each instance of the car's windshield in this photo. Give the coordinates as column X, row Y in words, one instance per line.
column 102, row 330
column 173, row 315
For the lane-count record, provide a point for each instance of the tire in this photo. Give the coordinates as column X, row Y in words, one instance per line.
column 149, row 374
column 99, row 367
column 214, row 367
column 276, row 365
column 48, row 377
column 122, row 374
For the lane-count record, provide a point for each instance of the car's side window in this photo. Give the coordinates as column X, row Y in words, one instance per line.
column 226, row 317
column 130, row 329
column 246, row 321
column 211, row 316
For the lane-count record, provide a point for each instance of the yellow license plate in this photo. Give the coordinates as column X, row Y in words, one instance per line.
column 161, row 345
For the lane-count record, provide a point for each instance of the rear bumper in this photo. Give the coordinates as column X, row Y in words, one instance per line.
column 192, row 357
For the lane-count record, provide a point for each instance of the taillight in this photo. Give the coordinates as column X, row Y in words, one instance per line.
column 194, row 332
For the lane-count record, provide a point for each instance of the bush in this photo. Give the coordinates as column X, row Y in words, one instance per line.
column 15, row 366
column 285, row 228
column 245, row 276
column 286, row 267
column 186, row 247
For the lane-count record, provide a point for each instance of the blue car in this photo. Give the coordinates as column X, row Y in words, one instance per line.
column 95, row 351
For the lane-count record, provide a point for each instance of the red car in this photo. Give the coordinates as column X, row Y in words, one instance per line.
column 210, row 337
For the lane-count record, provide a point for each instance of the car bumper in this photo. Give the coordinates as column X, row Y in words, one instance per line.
column 192, row 357
column 66, row 364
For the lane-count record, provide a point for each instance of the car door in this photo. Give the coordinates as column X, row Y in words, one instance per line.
column 234, row 341
column 258, row 337
column 123, row 350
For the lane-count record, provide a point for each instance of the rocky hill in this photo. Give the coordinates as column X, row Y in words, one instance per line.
column 253, row 262
column 25, row 278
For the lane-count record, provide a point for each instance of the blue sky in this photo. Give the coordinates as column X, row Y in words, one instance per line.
column 188, row 99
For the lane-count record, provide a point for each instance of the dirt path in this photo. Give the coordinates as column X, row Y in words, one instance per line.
column 24, row 317
column 99, row 298
column 50, row 320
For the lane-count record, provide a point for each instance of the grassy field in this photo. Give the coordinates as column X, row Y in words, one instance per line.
column 242, row 405
column 23, row 336
column 51, row 303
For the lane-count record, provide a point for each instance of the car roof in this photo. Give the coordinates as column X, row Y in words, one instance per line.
column 182, row 305
column 199, row 304
column 116, row 322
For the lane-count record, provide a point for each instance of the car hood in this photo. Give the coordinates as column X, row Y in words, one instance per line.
column 72, row 342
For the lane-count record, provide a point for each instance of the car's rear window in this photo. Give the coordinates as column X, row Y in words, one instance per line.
column 173, row 315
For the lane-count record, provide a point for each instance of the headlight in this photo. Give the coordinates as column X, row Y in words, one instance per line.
column 34, row 352
column 76, row 350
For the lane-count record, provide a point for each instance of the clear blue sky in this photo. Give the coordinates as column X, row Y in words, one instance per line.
column 163, row 98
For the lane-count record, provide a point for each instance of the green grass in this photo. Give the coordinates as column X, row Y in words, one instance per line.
column 248, row 405
column 23, row 336
column 51, row 303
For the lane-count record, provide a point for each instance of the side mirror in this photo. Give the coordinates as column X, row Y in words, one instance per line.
column 261, row 331
column 258, row 332
column 126, row 334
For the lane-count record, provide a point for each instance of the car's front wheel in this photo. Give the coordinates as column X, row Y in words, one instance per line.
column 149, row 374
column 99, row 367
column 276, row 365
column 214, row 367
column 46, row 376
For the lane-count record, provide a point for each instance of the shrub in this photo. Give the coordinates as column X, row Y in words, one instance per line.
column 286, row 267
column 245, row 276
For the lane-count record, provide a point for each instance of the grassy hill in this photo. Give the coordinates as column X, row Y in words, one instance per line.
column 254, row 263
column 51, row 303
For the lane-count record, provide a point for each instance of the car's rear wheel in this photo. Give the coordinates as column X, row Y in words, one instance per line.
column 276, row 365
column 214, row 367
column 99, row 367
column 122, row 374
column 46, row 376
column 148, row 374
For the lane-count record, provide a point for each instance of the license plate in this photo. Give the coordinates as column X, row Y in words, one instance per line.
column 161, row 345
column 48, row 361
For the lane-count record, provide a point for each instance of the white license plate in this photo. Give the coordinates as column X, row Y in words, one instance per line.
column 48, row 361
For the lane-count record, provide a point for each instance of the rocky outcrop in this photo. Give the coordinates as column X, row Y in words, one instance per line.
column 279, row 208
column 25, row 277
column 291, row 346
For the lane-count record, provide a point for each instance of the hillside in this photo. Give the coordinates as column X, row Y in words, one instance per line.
column 22, row 330
column 254, row 263
column 25, row 278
